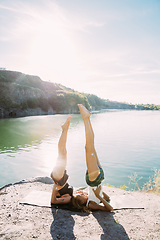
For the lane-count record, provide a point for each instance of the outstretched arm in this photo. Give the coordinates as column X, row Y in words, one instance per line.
column 94, row 206
column 61, row 200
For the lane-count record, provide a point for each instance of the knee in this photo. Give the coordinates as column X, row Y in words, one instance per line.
column 89, row 149
column 62, row 151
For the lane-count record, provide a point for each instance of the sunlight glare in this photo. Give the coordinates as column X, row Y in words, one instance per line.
column 49, row 155
column 53, row 50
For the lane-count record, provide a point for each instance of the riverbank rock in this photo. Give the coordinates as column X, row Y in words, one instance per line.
column 18, row 221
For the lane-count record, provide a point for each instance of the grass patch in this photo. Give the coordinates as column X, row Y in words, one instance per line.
column 124, row 187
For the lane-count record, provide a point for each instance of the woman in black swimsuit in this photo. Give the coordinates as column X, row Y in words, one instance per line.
column 62, row 191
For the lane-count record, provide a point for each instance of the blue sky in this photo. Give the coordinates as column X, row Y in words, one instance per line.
column 110, row 48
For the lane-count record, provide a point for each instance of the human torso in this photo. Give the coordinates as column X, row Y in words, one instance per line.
column 92, row 196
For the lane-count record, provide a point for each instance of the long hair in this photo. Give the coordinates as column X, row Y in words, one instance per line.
column 76, row 204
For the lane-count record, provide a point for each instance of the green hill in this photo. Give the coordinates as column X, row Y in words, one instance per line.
column 19, row 93
column 23, row 95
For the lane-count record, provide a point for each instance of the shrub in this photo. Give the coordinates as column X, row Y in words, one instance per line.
column 43, row 104
column 153, row 185
column 154, row 182
column 24, row 105
column 33, row 103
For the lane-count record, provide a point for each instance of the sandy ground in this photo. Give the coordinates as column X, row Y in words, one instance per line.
column 18, row 221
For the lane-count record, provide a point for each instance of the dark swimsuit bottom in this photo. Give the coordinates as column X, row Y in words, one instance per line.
column 67, row 189
column 97, row 181
column 63, row 180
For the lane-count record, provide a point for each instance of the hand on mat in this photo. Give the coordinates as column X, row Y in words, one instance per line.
column 97, row 191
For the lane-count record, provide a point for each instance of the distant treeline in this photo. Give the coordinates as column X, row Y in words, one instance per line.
column 19, row 91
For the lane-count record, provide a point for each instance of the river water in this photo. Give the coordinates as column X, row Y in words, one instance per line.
column 127, row 142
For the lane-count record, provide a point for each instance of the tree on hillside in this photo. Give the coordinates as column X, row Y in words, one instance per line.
column 72, row 99
column 57, row 102
column 95, row 101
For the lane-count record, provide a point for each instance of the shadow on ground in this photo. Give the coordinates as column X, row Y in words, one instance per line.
column 63, row 224
column 112, row 230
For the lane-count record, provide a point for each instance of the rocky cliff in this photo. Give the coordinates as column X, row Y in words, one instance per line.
column 23, row 95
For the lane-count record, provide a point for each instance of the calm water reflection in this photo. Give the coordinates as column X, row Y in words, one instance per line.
column 126, row 142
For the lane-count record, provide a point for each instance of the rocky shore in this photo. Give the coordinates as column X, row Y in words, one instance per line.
column 12, row 113
column 19, row 221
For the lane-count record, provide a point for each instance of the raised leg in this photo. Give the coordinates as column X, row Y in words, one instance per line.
column 92, row 161
column 95, row 153
column 61, row 162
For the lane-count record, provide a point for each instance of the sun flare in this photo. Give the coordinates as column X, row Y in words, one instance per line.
column 53, row 50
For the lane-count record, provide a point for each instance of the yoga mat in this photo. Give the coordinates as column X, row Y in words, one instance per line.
column 38, row 198
column 42, row 199
column 124, row 202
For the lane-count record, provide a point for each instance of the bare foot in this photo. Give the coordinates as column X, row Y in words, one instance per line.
column 84, row 112
column 65, row 126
